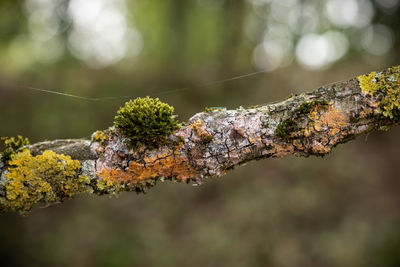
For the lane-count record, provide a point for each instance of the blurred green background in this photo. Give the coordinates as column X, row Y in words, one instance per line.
column 340, row 210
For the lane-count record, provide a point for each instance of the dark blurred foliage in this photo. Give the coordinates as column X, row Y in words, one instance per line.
column 340, row 210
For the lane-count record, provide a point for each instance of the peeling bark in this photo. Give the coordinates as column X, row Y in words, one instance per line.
column 216, row 141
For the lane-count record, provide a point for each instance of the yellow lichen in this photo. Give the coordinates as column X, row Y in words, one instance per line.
column 391, row 104
column 45, row 178
column 100, row 136
column 387, row 84
column 111, row 187
column 368, row 83
column 12, row 145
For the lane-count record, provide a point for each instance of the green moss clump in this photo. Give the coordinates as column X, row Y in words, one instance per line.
column 285, row 128
column 146, row 121
column 211, row 109
column 288, row 126
column 254, row 106
column 307, row 107
column 45, row 178
column 290, row 96
column 386, row 86
column 12, row 145
column 207, row 139
column 178, row 140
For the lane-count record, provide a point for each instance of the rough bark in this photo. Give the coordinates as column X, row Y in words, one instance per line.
column 213, row 142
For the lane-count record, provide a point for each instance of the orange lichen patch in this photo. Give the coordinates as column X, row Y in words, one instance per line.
column 327, row 127
column 252, row 140
column 324, row 140
column 370, row 102
column 319, row 148
column 168, row 164
column 297, row 143
column 196, row 125
column 198, row 128
column 334, row 131
column 178, row 144
column 366, row 113
column 284, row 150
column 317, row 127
column 331, row 120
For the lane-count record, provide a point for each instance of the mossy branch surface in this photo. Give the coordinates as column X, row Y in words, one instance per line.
column 147, row 145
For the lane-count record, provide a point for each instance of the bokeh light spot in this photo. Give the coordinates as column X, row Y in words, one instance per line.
column 315, row 51
column 272, row 54
column 303, row 18
column 101, row 35
column 350, row 13
column 377, row 39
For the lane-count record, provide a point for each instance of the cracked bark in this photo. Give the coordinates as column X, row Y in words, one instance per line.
column 214, row 142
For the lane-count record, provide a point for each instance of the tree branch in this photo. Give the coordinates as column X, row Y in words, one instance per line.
column 210, row 144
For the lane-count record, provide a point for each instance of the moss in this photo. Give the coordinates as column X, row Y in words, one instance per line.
column 285, row 128
column 45, row 178
column 178, row 140
column 254, row 106
column 384, row 86
column 211, row 109
column 12, row 145
column 207, row 139
column 288, row 126
column 207, row 110
column 146, row 121
column 306, row 107
column 355, row 118
column 290, row 96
